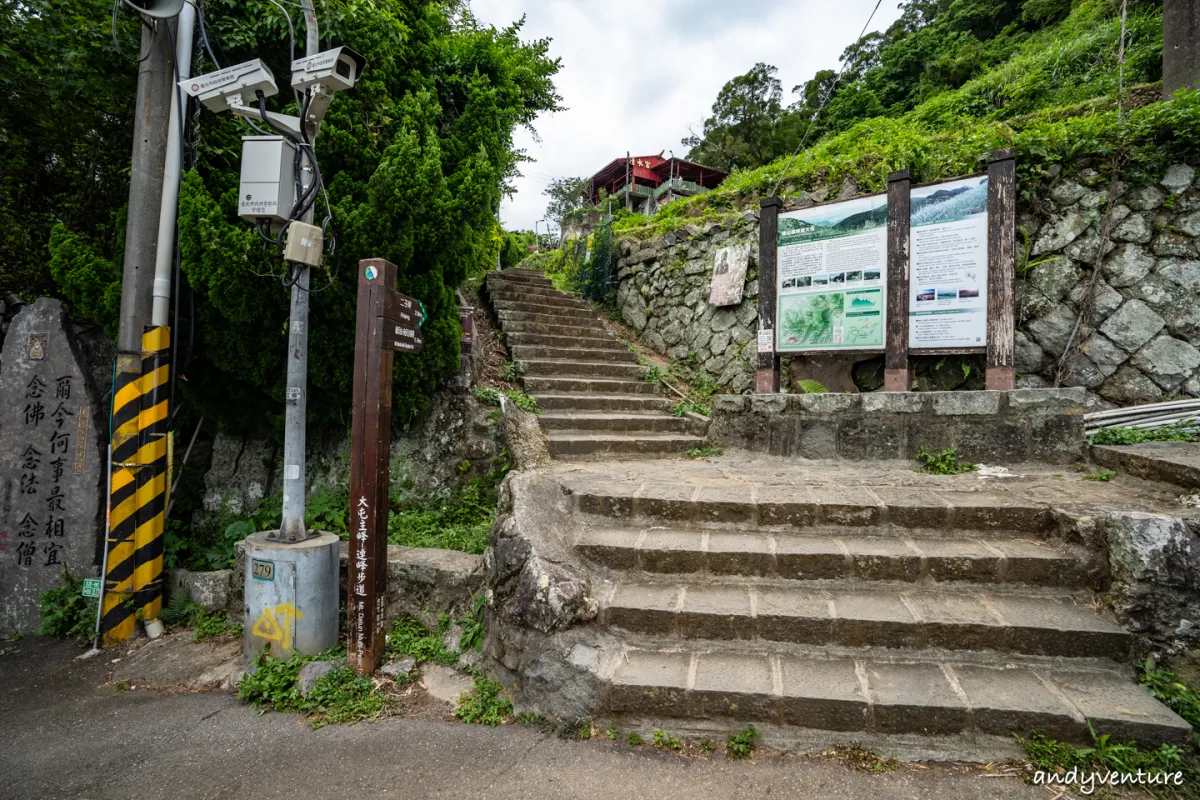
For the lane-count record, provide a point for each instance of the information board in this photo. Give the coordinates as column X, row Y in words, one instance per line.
column 947, row 303
column 832, row 276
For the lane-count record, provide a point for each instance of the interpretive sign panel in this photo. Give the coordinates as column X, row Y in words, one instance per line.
column 948, row 282
column 832, row 276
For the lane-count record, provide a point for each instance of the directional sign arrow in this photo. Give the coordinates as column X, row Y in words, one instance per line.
column 400, row 337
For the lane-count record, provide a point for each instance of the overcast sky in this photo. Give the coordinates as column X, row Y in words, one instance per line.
column 637, row 73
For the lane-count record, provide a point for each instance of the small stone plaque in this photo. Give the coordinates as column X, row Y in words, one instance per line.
column 729, row 275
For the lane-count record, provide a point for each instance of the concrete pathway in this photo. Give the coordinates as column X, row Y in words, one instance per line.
column 65, row 734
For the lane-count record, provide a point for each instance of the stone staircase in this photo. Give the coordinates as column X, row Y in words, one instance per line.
column 927, row 623
column 589, row 387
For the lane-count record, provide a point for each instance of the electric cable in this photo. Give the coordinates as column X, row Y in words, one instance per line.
column 204, row 34
column 821, row 107
column 291, row 31
column 117, row 45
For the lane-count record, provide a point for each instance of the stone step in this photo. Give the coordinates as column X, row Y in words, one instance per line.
column 525, row 339
column 601, row 402
column 611, row 352
column 559, row 312
column 552, row 302
column 958, row 618
column 583, row 444
column 896, row 508
column 584, row 369
column 829, row 553
column 880, row 698
column 518, row 276
column 574, row 319
column 525, row 289
column 624, row 422
column 535, row 385
column 514, row 322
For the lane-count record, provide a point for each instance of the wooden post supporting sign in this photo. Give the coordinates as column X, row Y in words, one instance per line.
column 1002, row 203
column 897, row 374
column 387, row 322
column 766, row 379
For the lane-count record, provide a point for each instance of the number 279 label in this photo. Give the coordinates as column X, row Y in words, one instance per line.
column 262, row 570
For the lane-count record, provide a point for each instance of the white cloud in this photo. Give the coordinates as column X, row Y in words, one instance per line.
column 636, row 74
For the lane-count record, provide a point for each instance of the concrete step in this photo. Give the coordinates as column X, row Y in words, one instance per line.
column 619, row 422
column 512, row 322
column 589, row 444
column 536, row 384
column 559, row 312
column 554, row 302
column 611, row 353
column 830, row 553
column 601, row 402
column 896, row 508
column 525, row 339
column 959, row 618
column 584, row 369
column 823, row 699
column 519, row 276
column 572, row 318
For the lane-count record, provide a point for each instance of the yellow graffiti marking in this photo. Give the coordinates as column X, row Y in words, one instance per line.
column 274, row 625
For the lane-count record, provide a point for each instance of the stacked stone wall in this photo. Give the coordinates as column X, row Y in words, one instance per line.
column 1139, row 342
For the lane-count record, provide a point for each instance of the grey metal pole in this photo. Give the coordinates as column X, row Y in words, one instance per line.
column 292, row 528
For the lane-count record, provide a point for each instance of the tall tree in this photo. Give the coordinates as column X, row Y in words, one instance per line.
column 741, row 131
column 567, row 195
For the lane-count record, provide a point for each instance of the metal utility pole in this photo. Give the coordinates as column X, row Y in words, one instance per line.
column 292, row 527
column 150, row 124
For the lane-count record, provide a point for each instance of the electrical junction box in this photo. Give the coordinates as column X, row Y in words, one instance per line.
column 305, row 244
column 268, row 185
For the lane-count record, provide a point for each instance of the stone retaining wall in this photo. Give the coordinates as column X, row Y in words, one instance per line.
column 1139, row 344
column 1023, row 425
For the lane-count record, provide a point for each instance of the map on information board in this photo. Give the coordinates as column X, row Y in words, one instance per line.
column 832, row 276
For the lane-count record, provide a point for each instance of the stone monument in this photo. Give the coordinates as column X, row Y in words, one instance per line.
column 52, row 496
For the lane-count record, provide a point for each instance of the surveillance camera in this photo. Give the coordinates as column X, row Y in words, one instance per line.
column 232, row 86
column 335, row 70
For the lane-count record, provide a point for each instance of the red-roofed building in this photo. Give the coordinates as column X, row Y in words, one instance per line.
column 646, row 183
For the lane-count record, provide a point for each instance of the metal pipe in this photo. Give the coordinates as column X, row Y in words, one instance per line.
column 168, row 210
column 1142, row 409
column 292, row 527
column 104, row 558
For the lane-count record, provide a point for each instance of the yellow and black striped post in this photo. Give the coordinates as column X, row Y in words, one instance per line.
column 139, row 487
column 152, row 476
column 117, row 618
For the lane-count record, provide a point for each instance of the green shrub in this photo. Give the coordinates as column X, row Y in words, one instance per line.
column 339, row 696
column 65, row 613
column 743, row 743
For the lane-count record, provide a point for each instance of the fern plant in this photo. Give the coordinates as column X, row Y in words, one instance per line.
column 809, row 386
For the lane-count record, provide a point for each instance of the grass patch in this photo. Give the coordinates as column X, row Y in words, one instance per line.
column 1099, row 474
column 944, row 462
column 705, row 452
column 484, row 703
column 453, row 519
column 1106, row 756
column 409, row 637
column 338, row 697
column 1171, row 433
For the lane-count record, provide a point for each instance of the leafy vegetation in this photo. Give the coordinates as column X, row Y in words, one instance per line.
column 635, row 739
column 485, row 703
column 181, row 612
column 457, row 518
column 809, row 386
column 64, row 611
column 340, row 696
column 491, row 397
column 1173, row 693
column 1099, row 474
column 679, row 409
column 409, row 637
column 665, row 741
column 511, row 371
column 944, row 462
column 743, row 743
column 1169, row 433
column 705, row 452
column 473, row 625
column 1106, row 755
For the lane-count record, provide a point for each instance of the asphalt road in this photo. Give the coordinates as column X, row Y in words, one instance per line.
column 64, row 734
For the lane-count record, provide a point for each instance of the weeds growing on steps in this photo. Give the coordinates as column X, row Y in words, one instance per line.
column 484, row 703
column 860, row 758
column 944, row 462
column 181, row 612
column 1099, row 474
column 1172, row 433
column 705, row 452
column 743, row 743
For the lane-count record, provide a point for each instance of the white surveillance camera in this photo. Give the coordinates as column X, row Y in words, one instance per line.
column 232, row 87
column 335, row 70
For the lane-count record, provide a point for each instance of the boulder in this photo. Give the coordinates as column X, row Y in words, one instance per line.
column 1178, row 178
column 1132, row 325
column 1167, row 361
column 312, row 672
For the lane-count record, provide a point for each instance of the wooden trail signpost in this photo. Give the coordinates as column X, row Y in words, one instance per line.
column 387, row 322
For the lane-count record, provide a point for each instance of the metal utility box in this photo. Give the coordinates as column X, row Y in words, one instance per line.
column 268, row 185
